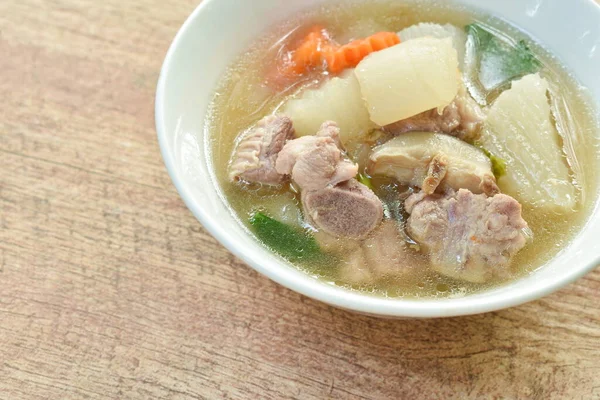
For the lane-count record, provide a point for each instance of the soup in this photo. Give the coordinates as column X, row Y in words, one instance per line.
column 404, row 149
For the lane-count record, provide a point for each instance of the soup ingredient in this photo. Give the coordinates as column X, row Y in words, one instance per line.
column 339, row 99
column 382, row 255
column 498, row 164
column 281, row 205
column 468, row 237
column 571, row 129
column 434, row 162
column 522, row 133
column 349, row 209
column 254, row 157
column 428, row 29
column 349, row 55
column 408, row 79
column 289, row 242
column 387, row 253
column 353, row 269
column 462, row 118
column 316, row 161
column 365, row 180
column 493, row 60
column 310, row 53
column 317, row 48
column 436, row 172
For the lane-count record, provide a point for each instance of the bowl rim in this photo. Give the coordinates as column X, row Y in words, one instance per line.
column 331, row 294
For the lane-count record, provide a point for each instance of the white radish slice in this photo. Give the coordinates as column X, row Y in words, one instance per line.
column 409, row 78
column 521, row 131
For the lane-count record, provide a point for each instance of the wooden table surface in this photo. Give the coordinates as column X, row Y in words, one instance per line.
column 110, row 288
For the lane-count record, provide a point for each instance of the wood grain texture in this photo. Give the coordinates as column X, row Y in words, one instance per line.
column 110, row 289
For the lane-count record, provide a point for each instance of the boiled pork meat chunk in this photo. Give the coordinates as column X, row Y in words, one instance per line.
column 467, row 236
column 462, row 118
column 314, row 162
column 354, row 270
column 255, row 156
column 349, row 209
column 384, row 253
column 388, row 254
column 333, row 201
column 434, row 162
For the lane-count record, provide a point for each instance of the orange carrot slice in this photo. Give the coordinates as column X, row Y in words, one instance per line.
column 348, row 56
column 310, row 53
column 317, row 49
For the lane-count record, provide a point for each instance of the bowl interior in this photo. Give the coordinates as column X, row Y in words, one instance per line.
column 219, row 30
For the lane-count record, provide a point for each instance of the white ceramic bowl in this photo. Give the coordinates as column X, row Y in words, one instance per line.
column 219, row 30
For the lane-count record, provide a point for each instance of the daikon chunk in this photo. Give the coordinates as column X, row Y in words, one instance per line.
column 520, row 130
column 409, row 78
column 428, row 29
column 338, row 100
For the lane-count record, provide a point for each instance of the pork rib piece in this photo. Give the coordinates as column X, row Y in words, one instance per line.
column 349, row 209
column 434, row 162
column 467, row 236
column 317, row 161
column 461, row 118
column 255, row 156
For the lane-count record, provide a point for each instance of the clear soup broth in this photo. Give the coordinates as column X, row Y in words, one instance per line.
column 243, row 98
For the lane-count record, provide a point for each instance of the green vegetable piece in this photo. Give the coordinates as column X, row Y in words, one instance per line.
column 291, row 243
column 365, row 180
column 495, row 60
column 498, row 164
